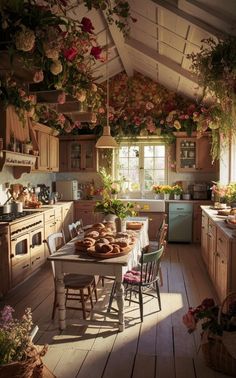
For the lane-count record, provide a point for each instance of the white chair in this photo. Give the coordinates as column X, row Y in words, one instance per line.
column 79, row 283
column 75, row 228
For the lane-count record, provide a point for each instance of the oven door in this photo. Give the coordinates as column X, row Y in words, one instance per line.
column 37, row 248
column 20, row 258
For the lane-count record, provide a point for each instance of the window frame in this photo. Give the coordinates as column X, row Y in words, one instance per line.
column 142, row 144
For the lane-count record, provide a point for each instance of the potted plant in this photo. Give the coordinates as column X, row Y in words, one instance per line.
column 166, row 190
column 177, row 191
column 231, row 194
column 117, row 208
column 157, row 191
column 19, row 357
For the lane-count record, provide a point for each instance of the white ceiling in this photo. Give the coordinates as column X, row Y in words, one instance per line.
column 165, row 32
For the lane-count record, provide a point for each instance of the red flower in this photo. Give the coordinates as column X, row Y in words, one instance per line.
column 208, row 303
column 96, row 51
column 87, row 25
column 70, row 53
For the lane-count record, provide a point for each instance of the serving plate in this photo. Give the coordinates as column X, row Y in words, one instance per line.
column 91, row 251
column 230, row 224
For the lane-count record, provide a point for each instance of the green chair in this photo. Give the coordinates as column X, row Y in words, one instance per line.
column 140, row 278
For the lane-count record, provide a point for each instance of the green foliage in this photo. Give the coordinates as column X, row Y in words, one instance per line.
column 115, row 206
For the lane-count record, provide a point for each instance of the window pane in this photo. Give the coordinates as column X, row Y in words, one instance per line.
column 148, row 151
column 148, row 163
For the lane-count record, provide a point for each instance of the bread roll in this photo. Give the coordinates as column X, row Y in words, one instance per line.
column 122, row 243
column 98, row 247
column 116, row 248
column 106, row 248
column 92, row 234
column 103, row 241
column 98, row 225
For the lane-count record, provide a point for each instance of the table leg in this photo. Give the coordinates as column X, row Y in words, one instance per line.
column 60, row 287
column 120, row 303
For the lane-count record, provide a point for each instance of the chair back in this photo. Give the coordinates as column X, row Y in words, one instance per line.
column 162, row 226
column 54, row 242
column 75, row 228
column 150, row 264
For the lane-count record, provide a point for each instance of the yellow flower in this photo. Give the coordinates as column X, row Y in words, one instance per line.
column 177, row 125
column 56, row 67
column 25, row 39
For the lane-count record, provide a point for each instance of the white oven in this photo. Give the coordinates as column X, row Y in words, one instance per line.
column 27, row 247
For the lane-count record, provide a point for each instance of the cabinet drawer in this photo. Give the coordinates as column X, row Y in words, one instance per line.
column 49, row 215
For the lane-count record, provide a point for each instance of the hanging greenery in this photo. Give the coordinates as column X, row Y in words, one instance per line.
column 215, row 67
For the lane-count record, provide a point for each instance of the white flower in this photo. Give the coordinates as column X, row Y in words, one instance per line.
column 56, row 67
column 51, row 53
column 81, row 96
column 94, row 88
column 25, row 39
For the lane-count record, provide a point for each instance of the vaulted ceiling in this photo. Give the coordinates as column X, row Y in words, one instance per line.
column 158, row 43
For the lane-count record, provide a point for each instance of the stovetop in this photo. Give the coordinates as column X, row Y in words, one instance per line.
column 10, row 217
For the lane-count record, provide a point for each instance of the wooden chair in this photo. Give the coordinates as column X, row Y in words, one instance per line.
column 75, row 228
column 140, row 278
column 78, row 287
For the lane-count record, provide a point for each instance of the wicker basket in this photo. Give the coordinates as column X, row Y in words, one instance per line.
column 219, row 351
column 31, row 367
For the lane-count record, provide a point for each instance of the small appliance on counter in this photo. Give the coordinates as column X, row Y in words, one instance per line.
column 199, row 191
column 43, row 193
column 68, row 190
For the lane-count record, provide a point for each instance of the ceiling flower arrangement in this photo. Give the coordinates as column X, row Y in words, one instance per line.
column 12, row 94
column 59, row 51
column 142, row 107
column 48, row 116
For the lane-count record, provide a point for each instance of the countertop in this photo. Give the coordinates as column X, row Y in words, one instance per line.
column 220, row 221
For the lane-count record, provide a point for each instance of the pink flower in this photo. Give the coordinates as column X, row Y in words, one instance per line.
column 151, row 128
column 21, row 92
column 38, row 76
column 96, row 52
column 77, row 125
column 87, row 25
column 70, row 53
column 61, row 99
column 208, row 303
column 189, row 321
column 101, row 110
column 149, row 105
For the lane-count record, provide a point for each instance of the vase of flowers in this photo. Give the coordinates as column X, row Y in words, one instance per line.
column 166, row 190
column 19, row 357
column 157, row 191
column 177, row 191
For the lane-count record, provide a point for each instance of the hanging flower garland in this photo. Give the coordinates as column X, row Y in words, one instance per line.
column 142, row 107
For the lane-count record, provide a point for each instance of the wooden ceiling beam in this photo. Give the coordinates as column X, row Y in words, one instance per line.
column 161, row 59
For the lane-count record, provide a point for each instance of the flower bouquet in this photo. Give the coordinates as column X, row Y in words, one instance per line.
column 219, row 332
column 19, row 357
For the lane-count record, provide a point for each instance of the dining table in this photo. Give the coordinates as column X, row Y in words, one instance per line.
column 68, row 260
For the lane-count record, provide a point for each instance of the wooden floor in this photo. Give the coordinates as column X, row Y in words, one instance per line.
column 160, row 347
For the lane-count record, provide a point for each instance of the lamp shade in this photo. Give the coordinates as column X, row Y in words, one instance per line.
column 106, row 140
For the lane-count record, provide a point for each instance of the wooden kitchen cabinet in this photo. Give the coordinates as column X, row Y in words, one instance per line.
column 48, row 144
column 204, row 239
column 211, row 245
column 78, row 153
column 67, row 218
column 154, row 222
column 193, row 155
column 85, row 210
column 197, row 223
column 222, row 276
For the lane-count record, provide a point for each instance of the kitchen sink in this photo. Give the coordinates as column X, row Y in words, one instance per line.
column 148, row 205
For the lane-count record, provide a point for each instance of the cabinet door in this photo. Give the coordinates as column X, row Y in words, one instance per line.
column 63, row 156
column 54, row 154
column 67, row 218
column 186, row 154
column 197, row 223
column 221, row 267
column 89, row 155
column 204, row 156
column 211, row 243
column 86, row 213
column 44, row 147
column 74, row 156
column 204, row 248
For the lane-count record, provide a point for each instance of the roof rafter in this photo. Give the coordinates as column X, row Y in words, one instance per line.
column 161, row 59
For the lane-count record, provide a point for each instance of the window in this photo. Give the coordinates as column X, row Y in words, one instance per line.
column 142, row 165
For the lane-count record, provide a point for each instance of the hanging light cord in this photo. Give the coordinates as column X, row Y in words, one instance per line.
column 107, row 74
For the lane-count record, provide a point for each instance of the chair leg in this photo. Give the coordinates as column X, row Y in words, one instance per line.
column 90, row 296
column 158, row 295
column 54, row 305
column 140, row 294
column 160, row 276
column 113, row 290
column 95, row 290
column 83, row 303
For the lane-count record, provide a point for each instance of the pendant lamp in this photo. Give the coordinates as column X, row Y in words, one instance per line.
column 106, row 140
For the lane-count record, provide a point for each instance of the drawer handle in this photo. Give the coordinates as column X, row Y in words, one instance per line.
column 25, row 266
column 38, row 258
column 209, row 235
column 220, row 240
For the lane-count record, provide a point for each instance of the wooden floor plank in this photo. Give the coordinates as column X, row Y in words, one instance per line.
column 144, row 366
column 160, row 347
